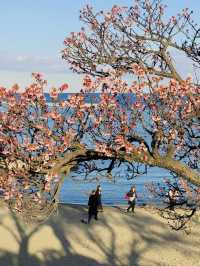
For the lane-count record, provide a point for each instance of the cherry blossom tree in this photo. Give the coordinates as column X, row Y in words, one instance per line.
column 141, row 113
column 130, row 51
column 139, row 34
column 138, row 41
column 33, row 135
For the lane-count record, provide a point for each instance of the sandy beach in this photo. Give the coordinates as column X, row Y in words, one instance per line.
column 116, row 239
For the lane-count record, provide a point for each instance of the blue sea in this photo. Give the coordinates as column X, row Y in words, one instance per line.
column 113, row 192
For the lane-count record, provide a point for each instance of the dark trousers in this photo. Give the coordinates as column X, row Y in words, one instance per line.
column 172, row 203
column 131, row 205
column 92, row 212
column 100, row 207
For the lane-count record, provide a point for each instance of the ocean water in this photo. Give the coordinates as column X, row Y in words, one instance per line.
column 113, row 193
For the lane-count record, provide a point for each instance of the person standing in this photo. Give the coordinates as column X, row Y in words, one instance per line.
column 173, row 195
column 92, row 206
column 131, row 196
column 98, row 195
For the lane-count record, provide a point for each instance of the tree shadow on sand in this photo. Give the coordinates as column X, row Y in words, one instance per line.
column 67, row 229
column 155, row 237
column 52, row 257
column 22, row 237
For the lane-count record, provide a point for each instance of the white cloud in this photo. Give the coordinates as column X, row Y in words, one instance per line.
column 8, row 78
column 18, row 69
column 21, row 58
column 27, row 63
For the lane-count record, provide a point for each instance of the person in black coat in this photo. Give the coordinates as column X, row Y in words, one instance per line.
column 93, row 206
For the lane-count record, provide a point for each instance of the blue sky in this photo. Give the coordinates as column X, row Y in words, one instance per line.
column 32, row 34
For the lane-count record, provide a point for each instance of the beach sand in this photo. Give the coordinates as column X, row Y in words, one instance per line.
column 116, row 239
